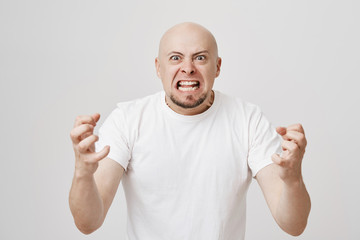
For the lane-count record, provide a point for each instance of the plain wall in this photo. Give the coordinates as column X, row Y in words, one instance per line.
column 298, row 60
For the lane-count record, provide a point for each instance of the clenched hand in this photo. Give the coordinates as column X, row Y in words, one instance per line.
column 83, row 138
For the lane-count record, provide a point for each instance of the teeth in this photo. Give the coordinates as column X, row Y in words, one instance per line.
column 187, row 83
column 187, row 89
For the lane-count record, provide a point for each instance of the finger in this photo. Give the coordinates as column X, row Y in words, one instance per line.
column 297, row 137
column 84, row 119
column 84, row 145
column 102, row 154
column 290, row 146
column 296, row 127
column 96, row 117
column 85, row 135
column 277, row 159
column 79, row 133
column 281, row 130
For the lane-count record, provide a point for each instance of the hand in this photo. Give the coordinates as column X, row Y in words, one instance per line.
column 86, row 159
column 294, row 145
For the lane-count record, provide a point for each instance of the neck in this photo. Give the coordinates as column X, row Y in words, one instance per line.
column 192, row 111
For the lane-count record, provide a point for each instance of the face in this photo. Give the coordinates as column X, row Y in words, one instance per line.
column 188, row 65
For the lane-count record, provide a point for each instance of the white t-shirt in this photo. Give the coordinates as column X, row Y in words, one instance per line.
column 187, row 176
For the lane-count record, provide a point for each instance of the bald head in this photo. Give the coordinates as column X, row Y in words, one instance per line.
column 187, row 34
column 187, row 65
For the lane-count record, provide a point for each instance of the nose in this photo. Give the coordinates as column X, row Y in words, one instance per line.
column 188, row 67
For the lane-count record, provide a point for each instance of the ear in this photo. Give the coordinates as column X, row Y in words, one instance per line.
column 218, row 66
column 157, row 66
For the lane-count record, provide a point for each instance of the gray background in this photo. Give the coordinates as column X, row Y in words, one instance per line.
column 298, row 60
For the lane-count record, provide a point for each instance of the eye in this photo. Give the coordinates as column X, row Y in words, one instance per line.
column 200, row 58
column 175, row 58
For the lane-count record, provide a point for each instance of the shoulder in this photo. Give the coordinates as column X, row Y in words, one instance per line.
column 238, row 106
column 140, row 103
column 133, row 111
column 127, row 115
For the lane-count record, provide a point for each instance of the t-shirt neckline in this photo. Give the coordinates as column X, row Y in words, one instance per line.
column 190, row 118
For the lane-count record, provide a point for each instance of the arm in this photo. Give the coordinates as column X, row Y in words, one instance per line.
column 96, row 178
column 282, row 183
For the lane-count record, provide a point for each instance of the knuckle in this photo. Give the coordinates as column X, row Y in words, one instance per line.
column 78, row 119
column 302, row 138
column 72, row 135
column 81, row 147
column 89, row 127
column 83, row 119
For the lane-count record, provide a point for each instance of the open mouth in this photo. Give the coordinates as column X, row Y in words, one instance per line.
column 187, row 86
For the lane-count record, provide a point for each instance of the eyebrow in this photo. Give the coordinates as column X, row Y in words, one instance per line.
column 179, row 53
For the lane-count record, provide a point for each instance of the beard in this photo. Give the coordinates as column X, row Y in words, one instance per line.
column 191, row 103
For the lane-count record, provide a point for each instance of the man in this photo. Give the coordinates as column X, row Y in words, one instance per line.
column 187, row 155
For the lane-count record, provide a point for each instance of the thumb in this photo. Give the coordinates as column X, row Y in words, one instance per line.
column 277, row 159
column 102, row 154
column 281, row 130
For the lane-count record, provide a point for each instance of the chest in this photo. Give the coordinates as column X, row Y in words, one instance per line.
column 170, row 156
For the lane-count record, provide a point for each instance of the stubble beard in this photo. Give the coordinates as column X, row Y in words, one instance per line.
column 188, row 98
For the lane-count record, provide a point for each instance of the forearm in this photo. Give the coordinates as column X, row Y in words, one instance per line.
column 293, row 208
column 86, row 204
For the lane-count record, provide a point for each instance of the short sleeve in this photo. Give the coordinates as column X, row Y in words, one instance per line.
column 264, row 142
column 113, row 133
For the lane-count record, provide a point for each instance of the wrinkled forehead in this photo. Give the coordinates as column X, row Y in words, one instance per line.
column 187, row 39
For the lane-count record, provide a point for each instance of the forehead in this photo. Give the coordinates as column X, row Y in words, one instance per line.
column 187, row 40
